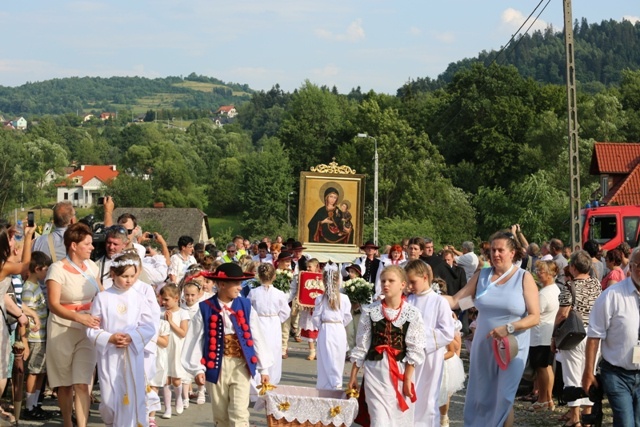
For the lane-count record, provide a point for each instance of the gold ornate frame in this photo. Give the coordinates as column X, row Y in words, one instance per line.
column 350, row 188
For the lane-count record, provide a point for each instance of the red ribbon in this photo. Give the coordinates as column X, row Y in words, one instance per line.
column 396, row 376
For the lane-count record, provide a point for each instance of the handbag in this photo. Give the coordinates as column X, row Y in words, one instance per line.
column 570, row 332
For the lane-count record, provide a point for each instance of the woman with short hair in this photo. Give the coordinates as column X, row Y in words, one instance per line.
column 587, row 289
column 71, row 285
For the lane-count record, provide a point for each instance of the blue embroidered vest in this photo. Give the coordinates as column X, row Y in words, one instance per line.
column 213, row 349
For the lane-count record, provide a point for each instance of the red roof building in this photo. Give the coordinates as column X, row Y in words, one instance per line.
column 86, row 184
column 618, row 164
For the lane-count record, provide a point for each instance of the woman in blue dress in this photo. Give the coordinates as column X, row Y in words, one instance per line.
column 506, row 297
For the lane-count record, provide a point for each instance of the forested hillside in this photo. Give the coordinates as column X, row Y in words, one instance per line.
column 602, row 51
column 86, row 94
column 485, row 150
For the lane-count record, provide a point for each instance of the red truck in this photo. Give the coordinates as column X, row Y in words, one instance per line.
column 611, row 225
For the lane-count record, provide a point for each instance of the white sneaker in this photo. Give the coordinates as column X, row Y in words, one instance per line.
column 186, row 404
column 166, row 415
column 179, row 409
column 444, row 421
column 201, row 399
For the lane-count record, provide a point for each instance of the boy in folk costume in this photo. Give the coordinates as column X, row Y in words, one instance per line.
column 439, row 332
column 224, row 347
column 126, row 326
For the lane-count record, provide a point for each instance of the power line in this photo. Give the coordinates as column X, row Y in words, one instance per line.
column 502, row 50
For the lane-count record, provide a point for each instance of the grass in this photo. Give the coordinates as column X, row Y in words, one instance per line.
column 224, row 228
column 206, row 87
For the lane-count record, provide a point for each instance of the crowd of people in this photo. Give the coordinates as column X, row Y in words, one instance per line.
column 160, row 328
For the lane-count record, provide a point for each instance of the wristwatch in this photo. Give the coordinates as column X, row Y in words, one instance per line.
column 510, row 328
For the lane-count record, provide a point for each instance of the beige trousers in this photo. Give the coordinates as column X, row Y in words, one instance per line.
column 230, row 396
column 291, row 322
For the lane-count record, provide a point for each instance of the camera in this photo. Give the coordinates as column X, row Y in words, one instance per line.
column 595, row 395
column 99, row 236
column 30, row 219
column 100, row 200
column 151, row 236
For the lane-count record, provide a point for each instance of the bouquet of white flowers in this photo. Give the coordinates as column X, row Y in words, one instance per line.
column 283, row 280
column 358, row 290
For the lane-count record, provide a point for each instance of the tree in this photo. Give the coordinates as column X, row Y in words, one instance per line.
column 310, row 126
column 268, row 180
column 131, row 191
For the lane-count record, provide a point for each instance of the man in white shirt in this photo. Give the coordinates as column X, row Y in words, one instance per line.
column 466, row 259
column 614, row 325
column 263, row 253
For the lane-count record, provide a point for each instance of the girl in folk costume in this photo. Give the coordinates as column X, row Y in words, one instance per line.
column 191, row 293
column 178, row 319
column 390, row 343
column 126, row 326
column 272, row 308
column 439, row 332
column 332, row 313
column 309, row 331
column 225, row 347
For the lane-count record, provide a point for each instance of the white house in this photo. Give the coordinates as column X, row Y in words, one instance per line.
column 85, row 185
column 19, row 123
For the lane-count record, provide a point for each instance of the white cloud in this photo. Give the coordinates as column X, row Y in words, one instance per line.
column 445, row 37
column 415, row 31
column 513, row 19
column 353, row 33
column 327, row 71
column 633, row 19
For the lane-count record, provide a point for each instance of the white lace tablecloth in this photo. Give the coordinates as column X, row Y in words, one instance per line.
column 330, row 407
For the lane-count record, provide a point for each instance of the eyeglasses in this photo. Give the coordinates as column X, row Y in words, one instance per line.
column 147, row 253
column 130, row 231
column 231, row 252
column 118, row 229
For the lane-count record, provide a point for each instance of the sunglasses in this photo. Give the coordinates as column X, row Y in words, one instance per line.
column 118, row 229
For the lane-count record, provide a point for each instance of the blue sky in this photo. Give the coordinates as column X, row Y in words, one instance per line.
column 375, row 44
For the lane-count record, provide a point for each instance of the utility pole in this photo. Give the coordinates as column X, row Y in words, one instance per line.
column 572, row 110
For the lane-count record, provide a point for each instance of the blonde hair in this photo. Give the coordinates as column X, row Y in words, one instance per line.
column 170, row 290
column 397, row 270
column 420, row 268
column 266, row 272
column 313, row 262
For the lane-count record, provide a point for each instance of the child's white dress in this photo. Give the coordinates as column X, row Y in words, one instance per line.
column 174, row 350
column 453, row 376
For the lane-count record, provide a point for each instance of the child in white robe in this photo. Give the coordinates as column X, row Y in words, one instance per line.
column 453, row 374
column 191, row 294
column 439, row 332
column 126, row 326
column 271, row 306
column 159, row 380
column 388, row 350
column 332, row 313
column 178, row 319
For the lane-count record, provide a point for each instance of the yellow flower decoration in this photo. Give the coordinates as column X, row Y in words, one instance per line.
column 352, row 393
column 284, row 406
column 264, row 388
column 335, row 411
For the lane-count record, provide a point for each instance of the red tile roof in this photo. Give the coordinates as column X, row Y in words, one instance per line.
column 225, row 109
column 614, row 157
column 628, row 193
column 88, row 172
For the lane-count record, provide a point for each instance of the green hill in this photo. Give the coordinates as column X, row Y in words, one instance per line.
column 84, row 94
column 602, row 51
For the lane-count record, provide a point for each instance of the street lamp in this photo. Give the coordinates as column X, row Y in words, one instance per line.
column 289, row 207
column 375, row 186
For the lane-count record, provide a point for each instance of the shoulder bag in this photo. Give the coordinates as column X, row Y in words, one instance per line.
column 570, row 332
